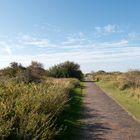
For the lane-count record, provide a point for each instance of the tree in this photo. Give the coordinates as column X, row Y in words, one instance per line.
column 13, row 70
column 35, row 72
column 67, row 69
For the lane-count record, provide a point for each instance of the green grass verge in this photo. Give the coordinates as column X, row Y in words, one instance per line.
column 130, row 103
column 73, row 115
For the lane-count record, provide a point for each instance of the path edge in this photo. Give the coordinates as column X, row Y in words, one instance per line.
column 128, row 112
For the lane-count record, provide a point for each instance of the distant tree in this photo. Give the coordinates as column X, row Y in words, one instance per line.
column 35, row 72
column 12, row 70
column 67, row 69
column 32, row 73
column 36, row 65
column 36, row 68
column 100, row 72
column 14, row 65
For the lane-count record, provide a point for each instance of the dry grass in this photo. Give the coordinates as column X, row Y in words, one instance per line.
column 129, row 81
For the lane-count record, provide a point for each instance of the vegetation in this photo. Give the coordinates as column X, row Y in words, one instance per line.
column 35, row 72
column 30, row 111
column 73, row 115
column 124, row 87
column 32, row 73
column 66, row 69
column 35, row 106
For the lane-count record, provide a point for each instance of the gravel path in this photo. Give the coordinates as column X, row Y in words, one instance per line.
column 104, row 119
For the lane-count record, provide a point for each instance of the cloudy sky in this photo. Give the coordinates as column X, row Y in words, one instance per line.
column 97, row 34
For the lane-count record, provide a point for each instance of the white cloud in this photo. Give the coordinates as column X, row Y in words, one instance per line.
column 5, row 48
column 28, row 40
column 98, row 29
column 48, row 27
column 74, row 42
column 108, row 29
column 79, row 49
column 133, row 36
column 81, row 56
column 120, row 43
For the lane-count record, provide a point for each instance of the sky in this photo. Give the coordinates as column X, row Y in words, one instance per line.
column 97, row 34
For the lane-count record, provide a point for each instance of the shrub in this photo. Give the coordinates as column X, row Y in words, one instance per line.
column 67, row 70
column 34, row 73
column 30, row 111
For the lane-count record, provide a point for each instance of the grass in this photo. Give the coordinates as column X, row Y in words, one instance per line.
column 73, row 115
column 131, row 104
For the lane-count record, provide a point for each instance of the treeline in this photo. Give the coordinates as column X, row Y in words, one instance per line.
column 66, row 69
column 35, row 72
column 19, row 73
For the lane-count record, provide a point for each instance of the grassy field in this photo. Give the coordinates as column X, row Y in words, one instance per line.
column 130, row 103
column 73, row 115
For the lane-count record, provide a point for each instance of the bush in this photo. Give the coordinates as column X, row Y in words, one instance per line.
column 67, row 70
column 30, row 111
column 130, row 79
column 34, row 73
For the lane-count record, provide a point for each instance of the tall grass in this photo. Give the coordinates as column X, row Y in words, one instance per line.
column 31, row 111
column 128, row 81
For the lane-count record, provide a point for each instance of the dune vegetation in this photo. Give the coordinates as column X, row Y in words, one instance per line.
column 32, row 104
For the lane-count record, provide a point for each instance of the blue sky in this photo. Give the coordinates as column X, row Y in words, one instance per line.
column 97, row 34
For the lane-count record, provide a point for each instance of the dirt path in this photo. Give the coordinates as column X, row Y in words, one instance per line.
column 106, row 120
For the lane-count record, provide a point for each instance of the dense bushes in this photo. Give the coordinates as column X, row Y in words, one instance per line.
column 32, row 103
column 36, row 73
column 66, row 69
column 33, row 73
column 30, row 111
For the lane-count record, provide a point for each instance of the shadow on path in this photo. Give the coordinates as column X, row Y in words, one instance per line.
column 93, row 128
column 103, row 119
